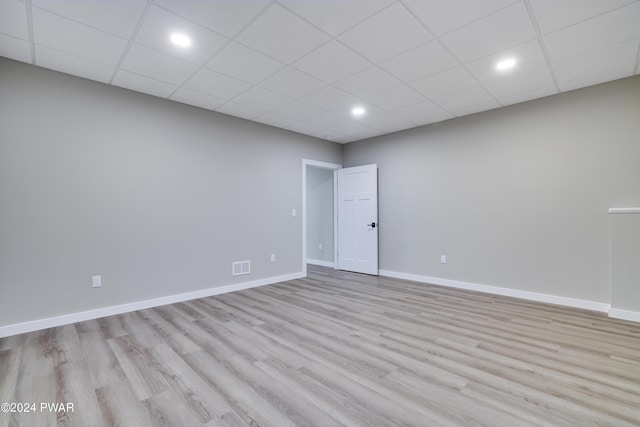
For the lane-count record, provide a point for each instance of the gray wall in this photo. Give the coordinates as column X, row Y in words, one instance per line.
column 320, row 214
column 157, row 197
column 515, row 197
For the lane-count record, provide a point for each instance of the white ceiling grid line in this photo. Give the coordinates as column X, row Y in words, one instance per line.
column 303, row 65
column 130, row 42
column 238, row 31
column 32, row 47
column 445, row 17
column 545, row 52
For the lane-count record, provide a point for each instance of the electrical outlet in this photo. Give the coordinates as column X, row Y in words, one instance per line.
column 320, row 246
column 273, row 257
column 294, row 212
column 96, row 281
column 443, row 259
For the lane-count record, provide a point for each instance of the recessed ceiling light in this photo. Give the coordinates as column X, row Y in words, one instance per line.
column 506, row 64
column 180, row 39
column 358, row 111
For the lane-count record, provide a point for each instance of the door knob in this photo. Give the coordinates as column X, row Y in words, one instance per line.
column 372, row 225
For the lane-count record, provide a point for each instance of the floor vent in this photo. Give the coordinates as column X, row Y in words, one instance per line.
column 240, row 267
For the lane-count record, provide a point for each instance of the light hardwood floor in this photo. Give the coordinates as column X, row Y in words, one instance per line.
column 333, row 349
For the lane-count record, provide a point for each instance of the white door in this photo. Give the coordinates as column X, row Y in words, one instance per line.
column 358, row 219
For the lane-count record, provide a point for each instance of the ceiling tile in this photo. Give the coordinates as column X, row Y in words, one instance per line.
column 330, row 98
column 198, row 99
column 372, row 37
column 67, row 36
column 240, row 110
column 369, row 108
column 397, row 98
column 305, row 128
column 157, row 65
column 357, row 130
column 276, row 120
column 327, row 120
column 13, row 19
column 298, row 111
column 143, row 84
column 447, row 82
column 508, row 27
column 216, row 84
column 281, row 35
column 368, row 83
column 528, row 95
column 423, row 61
column 476, row 108
column 387, row 122
column 423, row 113
column 524, row 81
column 427, row 120
column 13, row 48
column 464, row 98
column 594, row 79
column 528, row 55
column 553, row 15
column 335, row 16
column 70, row 64
column 292, row 83
column 244, row 63
column 611, row 28
column 159, row 25
column 332, row 62
column 444, row 16
column 118, row 17
column 600, row 61
column 223, row 16
column 262, row 99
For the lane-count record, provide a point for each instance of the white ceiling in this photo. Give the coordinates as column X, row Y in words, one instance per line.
column 303, row 65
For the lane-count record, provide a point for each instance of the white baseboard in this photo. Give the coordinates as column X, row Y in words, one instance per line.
column 35, row 325
column 532, row 296
column 321, row 263
column 616, row 313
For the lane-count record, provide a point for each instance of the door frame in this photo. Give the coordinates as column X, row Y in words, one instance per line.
column 321, row 165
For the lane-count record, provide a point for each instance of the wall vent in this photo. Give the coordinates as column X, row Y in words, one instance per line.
column 240, row 267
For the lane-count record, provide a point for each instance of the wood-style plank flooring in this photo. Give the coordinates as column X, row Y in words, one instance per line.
column 333, row 349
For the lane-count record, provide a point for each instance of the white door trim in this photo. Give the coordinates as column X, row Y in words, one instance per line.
column 323, row 165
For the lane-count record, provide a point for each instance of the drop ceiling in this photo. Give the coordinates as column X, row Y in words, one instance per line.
column 303, row 65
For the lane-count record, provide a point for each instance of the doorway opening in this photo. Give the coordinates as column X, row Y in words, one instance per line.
column 319, row 212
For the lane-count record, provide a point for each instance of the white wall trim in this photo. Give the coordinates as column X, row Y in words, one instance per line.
column 335, row 218
column 320, row 262
column 624, row 210
column 35, row 325
column 532, row 296
column 616, row 313
column 65, row 319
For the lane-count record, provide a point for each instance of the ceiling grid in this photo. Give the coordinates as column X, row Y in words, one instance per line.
column 304, row 65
